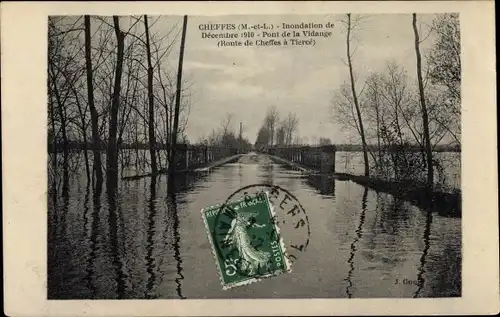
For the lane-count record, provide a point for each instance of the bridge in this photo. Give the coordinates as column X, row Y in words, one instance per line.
column 315, row 160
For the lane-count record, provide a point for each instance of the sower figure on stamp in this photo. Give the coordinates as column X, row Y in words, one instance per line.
column 251, row 258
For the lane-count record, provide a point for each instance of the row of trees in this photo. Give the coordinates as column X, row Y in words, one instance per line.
column 226, row 135
column 110, row 83
column 277, row 131
column 392, row 111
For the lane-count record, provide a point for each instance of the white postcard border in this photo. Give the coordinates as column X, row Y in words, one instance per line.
column 24, row 39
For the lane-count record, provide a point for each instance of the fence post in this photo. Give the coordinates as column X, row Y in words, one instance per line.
column 334, row 158
column 328, row 158
column 188, row 152
column 182, row 149
column 304, row 155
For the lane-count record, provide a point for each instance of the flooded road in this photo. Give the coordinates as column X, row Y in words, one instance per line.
column 145, row 244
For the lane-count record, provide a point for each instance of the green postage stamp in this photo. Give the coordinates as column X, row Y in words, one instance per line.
column 245, row 240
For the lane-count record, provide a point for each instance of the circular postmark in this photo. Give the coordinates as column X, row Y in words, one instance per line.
column 254, row 226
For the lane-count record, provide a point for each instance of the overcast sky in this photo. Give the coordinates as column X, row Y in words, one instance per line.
column 245, row 81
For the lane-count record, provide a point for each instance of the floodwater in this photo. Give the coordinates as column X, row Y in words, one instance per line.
column 144, row 243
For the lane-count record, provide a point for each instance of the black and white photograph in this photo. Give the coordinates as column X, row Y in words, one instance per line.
column 258, row 158
column 152, row 118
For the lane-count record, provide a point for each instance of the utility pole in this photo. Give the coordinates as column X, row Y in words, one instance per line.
column 241, row 139
column 173, row 145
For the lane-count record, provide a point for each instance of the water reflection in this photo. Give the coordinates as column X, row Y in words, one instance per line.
column 139, row 240
column 421, row 270
column 91, row 238
column 324, row 184
column 65, row 204
column 394, row 218
column 266, row 171
column 113, row 239
column 149, row 240
column 446, row 281
column 359, row 234
column 172, row 208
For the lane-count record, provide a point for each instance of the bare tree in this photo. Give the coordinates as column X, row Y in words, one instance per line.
column 214, row 138
column 96, row 141
column 290, row 125
column 104, row 109
column 281, row 135
column 171, row 166
column 425, row 119
column 271, row 121
column 262, row 140
column 324, row 141
column 82, row 113
column 374, row 103
column 112, row 152
column 226, row 123
column 389, row 109
column 151, row 125
column 445, row 70
column 64, row 72
column 350, row 27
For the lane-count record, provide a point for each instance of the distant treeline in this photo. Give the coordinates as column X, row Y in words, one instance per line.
column 415, row 148
column 78, row 145
column 372, row 147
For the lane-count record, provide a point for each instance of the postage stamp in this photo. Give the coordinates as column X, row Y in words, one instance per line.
column 288, row 212
column 245, row 240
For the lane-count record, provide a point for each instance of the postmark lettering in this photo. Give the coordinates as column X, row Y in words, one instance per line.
column 245, row 234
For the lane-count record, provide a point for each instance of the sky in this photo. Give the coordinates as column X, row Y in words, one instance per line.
column 245, row 81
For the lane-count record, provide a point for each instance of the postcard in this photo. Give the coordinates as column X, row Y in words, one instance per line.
column 249, row 158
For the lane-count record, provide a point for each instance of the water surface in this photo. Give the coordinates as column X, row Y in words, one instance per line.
column 144, row 243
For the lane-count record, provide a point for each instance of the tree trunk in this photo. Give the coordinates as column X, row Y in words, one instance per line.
column 83, row 117
column 425, row 118
column 112, row 151
column 96, row 142
column 54, row 135
column 137, row 156
column 171, row 164
column 151, row 123
column 377, row 112
column 355, row 96
column 62, row 115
